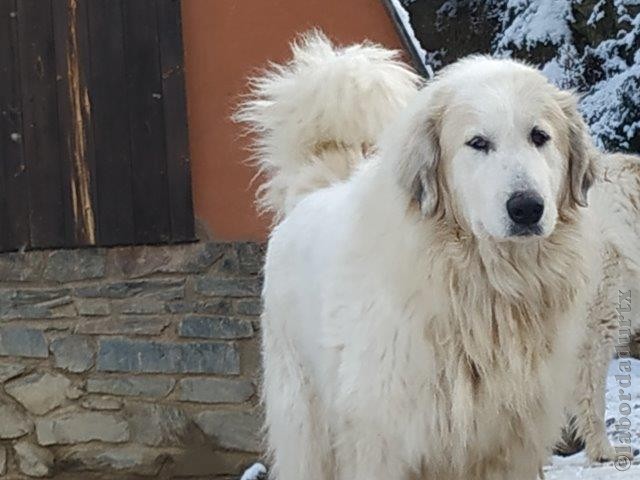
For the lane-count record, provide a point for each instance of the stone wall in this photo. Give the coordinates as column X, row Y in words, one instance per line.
column 129, row 362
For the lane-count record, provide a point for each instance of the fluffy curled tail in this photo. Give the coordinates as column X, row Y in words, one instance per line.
column 314, row 117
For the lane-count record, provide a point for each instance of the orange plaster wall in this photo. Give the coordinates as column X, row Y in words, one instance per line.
column 225, row 41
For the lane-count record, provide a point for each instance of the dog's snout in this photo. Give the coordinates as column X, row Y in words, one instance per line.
column 525, row 208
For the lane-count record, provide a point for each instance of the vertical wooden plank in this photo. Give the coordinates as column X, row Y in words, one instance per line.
column 84, row 167
column 40, row 123
column 146, row 122
column 108, row 94
column 74, row 120
column 175, row 119
column 14, row 203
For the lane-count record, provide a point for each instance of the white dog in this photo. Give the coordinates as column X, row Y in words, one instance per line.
column 423, row 299
column 614, row 312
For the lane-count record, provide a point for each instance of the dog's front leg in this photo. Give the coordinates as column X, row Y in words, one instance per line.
column 591, row 397
column 366, row 454
column 520, row 464
column 595, row 357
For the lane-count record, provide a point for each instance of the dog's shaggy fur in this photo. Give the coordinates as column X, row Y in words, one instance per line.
column 614, row 313
column 407, row 331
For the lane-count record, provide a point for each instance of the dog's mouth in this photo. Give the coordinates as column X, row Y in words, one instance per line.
column 512, row 232
column 525, row 230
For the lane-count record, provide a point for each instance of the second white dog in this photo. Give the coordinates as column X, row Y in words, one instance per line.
column 614, row 313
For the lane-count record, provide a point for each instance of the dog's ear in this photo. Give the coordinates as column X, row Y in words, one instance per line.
column 582, row 152
column 419, row 158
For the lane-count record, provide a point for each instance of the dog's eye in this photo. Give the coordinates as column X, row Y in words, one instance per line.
column 479, row 143
column 539, row 137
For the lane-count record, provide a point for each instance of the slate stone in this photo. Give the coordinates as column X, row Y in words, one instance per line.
column 123, row 355
column 73, row 265
column 215, row 286
column 75, row 425
column 143, row 306
column 21, row 267
column 251, row 308
column 102, row 403
column 132, row 386
column 143, row 325
column 218, row 306
column 126, row 289
column 157, row 425
column 215, row 390
column 74, row 353
column 251, row 257
column 33, row 461
column 215, row 327
column 9, row 370
column 93, row 307
column 14, row 423
column 22, row 342
column 228, row 263
column 33, row 295
column 235, row 430
column 188, row 258
column 39, row 392
column 36, row 303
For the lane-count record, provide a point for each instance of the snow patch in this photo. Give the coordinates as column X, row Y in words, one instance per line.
column 255, row 472
column 528, row 23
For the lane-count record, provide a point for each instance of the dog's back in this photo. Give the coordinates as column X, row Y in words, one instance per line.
column 616, row 199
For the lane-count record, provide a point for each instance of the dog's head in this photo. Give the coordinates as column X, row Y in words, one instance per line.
column 494, row 146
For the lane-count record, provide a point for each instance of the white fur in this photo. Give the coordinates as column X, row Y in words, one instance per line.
column 315, row 117
column 401, row 338
column 615, row 201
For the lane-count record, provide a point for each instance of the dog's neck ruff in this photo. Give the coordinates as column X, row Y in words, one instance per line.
column 510, row 307
column 506, row 298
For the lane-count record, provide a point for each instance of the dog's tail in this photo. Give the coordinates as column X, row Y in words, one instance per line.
column 315, row 117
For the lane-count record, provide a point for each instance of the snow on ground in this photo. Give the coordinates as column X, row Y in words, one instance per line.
column 619, row 407
column 594, row 473
column 255, row 472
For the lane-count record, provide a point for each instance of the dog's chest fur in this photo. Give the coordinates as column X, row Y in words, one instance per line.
column 508, row 335
column 472, row 344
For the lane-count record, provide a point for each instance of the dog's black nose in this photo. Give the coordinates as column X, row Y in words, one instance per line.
column 525, row 208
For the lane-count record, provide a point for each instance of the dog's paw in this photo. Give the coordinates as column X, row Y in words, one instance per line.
column 603, row 452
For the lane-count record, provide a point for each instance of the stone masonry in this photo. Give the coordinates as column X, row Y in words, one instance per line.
column 127, row 363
